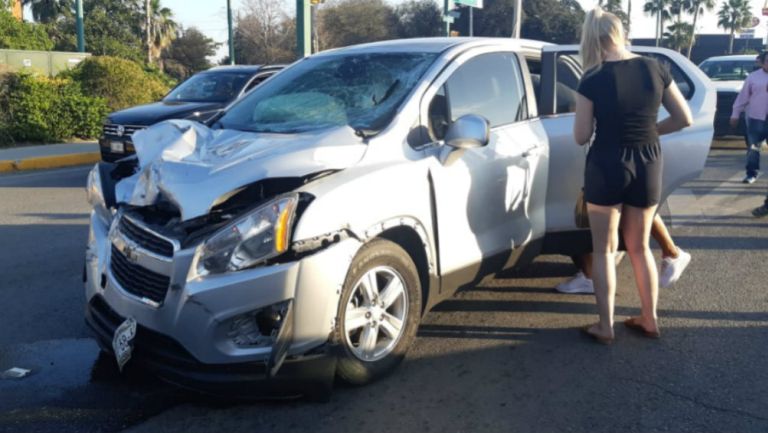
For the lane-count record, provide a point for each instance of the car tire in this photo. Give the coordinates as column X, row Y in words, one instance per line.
column 379, row 312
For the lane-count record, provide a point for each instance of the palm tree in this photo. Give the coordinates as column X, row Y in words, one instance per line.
column 677, row 7
column 614, row 7
column 47, row 11
column 678, row 35
column 733, row 16
column 657, row 8
column 160, row 28
column 698, row 7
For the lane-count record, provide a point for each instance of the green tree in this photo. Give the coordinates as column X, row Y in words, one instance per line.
column 697, row 8
column 557, row 21
column 614, row 7
column 112, row 28
column 678, row 35
column 20, row 35
column 733, row 16
column 48, row 11
column 418, row 18
column 188, row 53
column 352, row 22
column 657, row 8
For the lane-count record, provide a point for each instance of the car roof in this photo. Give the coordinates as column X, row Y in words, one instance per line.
column 739, row 57
column 434, row 45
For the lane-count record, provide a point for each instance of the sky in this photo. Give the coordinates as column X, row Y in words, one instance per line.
column 210, row 16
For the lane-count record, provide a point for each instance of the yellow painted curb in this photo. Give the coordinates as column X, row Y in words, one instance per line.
column 55, row 161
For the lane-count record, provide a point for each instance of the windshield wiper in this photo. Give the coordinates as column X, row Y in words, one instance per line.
column 387, row 94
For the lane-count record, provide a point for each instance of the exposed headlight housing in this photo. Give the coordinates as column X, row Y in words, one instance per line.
column 95, row 195
column 258, row 236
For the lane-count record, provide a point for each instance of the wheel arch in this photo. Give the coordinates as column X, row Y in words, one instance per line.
column 409, row 239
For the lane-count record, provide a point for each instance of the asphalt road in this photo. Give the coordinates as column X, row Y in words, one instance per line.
column 505, row 356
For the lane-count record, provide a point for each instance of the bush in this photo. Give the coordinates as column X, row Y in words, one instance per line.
column 120, row 82
column 20, row 35
column 42, row 109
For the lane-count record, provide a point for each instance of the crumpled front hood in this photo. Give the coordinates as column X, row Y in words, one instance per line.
column 193, row 166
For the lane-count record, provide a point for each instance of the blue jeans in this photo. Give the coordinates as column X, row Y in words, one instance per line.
column 757, row 132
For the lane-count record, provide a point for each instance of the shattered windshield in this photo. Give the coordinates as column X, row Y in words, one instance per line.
column 359, row 90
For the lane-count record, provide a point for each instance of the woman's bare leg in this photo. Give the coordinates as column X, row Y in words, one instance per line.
column 604, row 223
column 661, row 235
column 636, row 227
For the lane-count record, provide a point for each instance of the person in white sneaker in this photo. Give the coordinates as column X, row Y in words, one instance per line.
column 673, row 262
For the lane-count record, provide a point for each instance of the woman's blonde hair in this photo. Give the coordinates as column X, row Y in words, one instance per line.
column 601, row 30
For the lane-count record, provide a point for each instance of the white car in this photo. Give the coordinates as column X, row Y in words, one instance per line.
column 728, row 74
column 307, row 231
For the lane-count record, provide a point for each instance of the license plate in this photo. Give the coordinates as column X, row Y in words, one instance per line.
column 116, row 146
column 122, row 342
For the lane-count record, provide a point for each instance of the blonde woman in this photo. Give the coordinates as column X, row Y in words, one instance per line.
column 618, row 99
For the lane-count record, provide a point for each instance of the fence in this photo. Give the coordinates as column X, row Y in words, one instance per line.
column 41, row 62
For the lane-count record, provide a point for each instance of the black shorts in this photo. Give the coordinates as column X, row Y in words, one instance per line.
column 624, row 175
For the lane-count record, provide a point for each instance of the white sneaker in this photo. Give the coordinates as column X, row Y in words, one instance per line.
column 672, row 268
column 578, row 284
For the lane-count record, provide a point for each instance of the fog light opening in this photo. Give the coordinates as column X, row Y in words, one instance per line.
column 258, row 328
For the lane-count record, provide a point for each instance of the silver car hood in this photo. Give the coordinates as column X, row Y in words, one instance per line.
column 729, row 86
column 194, row 166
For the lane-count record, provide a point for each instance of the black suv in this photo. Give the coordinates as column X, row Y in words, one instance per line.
column 200, row 98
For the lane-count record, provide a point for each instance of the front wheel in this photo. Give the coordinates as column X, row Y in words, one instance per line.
column 379, row 312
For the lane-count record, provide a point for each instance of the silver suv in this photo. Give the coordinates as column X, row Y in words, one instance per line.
column 307, row 231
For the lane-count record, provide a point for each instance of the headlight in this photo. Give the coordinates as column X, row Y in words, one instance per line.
column 262, row 234
column 96, row 195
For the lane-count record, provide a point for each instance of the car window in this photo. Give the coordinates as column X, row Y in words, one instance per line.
column 728, row 70
column 209, row 87
column 681, row 79
column 489, row 85
column 568, row 74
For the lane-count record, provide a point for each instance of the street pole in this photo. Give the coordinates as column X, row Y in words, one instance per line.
column 303, row 28
column 518, row 18
column 471, row 22
column 231, row 33
column 446, row 5
column 79, row 25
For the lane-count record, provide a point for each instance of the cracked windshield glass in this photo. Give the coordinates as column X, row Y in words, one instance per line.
column 359, row 90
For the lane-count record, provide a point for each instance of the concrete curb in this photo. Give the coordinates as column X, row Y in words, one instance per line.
column 43, row 162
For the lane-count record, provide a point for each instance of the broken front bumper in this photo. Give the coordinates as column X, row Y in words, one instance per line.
column 189, row 333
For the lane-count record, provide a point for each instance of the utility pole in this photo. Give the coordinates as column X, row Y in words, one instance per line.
column 231, row 34
column 303, row 28
column 518, row 18
column 446, row 6
column 79, row 25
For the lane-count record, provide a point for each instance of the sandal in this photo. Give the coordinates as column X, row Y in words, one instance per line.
column 607, row 341
column 634, row 324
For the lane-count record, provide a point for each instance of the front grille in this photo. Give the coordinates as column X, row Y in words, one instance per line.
column 128, row 130
column 145, row 239
column 137, row 280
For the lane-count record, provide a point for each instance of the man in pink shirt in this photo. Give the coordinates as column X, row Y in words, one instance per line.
column 753, row 99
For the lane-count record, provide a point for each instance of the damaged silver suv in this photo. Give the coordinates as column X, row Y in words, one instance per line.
column 303, row 235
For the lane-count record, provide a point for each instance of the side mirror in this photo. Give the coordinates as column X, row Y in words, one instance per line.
column 468, row 131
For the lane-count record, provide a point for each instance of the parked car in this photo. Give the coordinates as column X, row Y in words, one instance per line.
column 200, row 97
column 728, row 74
column 305, row 233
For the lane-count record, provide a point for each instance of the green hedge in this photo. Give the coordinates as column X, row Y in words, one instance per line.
column 39, row 109
column 120, row 82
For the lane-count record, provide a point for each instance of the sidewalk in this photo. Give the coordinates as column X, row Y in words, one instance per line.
column 48, row 156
